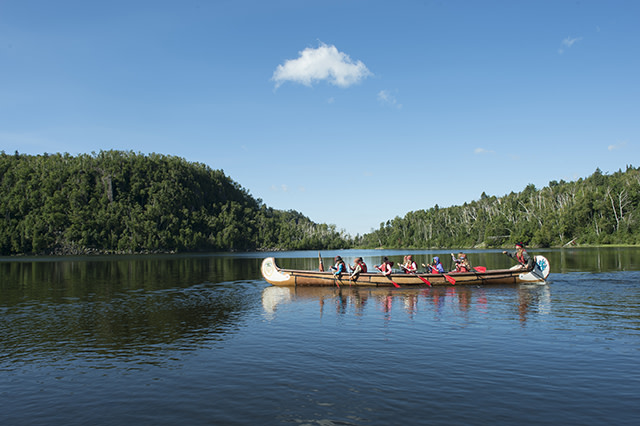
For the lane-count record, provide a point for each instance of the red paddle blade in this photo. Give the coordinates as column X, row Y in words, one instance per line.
column 480, row 268
column 450, row 279
column 393, row 282
column 426, row 281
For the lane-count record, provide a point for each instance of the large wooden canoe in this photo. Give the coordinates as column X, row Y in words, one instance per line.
column 292, row 277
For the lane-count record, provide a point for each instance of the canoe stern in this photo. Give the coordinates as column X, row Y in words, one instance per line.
column 272, row 273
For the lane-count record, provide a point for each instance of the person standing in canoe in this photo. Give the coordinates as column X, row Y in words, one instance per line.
column 385, row 267
column 526, row 262
column 435, row 267
column 339, row 267
column 358, row 268
column 409, row 266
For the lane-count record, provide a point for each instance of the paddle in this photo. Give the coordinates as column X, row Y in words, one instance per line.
column 392, row 282
column 339, row 270
column 446, row 277
column 321, row 265
column 449, row 278
column 478, row 270
column 426, row 281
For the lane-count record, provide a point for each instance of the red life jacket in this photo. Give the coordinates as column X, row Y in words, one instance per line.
column 363, row 266
column 411, row 267
column 520, row 257
column 461, row 268
column 386, row 265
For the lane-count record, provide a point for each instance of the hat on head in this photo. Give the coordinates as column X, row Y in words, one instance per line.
column 520, row 244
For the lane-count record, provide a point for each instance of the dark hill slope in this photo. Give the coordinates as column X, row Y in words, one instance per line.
column 123, row 202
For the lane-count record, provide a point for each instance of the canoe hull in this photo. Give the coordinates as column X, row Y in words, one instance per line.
column 291, row 277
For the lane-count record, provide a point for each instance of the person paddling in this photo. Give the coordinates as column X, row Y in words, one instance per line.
column 358, row 268
column 526, row 262
column 435, row 267
column 385, row 267
column 339, row 266
column 409, row 266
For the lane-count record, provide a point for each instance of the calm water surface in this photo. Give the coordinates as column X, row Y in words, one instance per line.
column 202, row 339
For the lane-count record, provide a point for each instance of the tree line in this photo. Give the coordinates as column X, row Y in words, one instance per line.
column 601, row 209
column 126, row 202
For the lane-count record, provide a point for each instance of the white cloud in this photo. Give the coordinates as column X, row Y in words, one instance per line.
column 283, row 188
column 617, row 146
column 480, row 151
column 386, row 97
column 324, row 63
column 568, row 43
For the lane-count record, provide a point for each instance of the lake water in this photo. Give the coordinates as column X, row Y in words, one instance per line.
column 204, row 340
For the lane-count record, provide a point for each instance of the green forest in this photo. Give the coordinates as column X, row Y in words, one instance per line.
column 599, row 210
column 125, row 202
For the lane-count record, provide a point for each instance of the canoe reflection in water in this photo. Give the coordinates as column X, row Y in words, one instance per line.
column 527, row 300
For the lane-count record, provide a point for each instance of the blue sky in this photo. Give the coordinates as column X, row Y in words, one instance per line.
column 351, row 112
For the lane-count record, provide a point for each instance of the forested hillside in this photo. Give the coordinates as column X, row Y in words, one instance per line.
column 601, row 209
column 122, row 202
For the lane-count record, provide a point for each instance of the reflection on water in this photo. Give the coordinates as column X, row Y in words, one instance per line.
column 56, row 278
column 529, row 299
column 203, row 339
column 123, row 308
column 602, row 259
column 274, row 296
column 126, row 325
